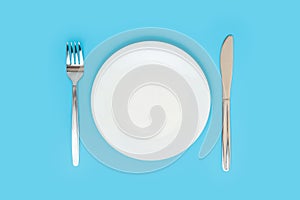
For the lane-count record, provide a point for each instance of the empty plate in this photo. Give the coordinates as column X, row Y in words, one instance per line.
column 142, row 110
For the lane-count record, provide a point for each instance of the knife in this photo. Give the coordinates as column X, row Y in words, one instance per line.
column 226, row 63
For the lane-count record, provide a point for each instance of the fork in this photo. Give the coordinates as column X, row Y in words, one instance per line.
column 75, row 68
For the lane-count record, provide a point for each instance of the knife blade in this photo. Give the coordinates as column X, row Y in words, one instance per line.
column 226, row 62
column 226, row 65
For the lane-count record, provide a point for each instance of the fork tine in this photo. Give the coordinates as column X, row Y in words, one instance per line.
column 68, row 54
column 72, row 54
column 80, row 54
column 76, row 54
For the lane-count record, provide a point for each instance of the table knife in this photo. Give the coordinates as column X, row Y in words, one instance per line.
column 226, row 63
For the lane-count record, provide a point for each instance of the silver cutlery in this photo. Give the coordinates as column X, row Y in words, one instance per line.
column 75, row 68
column 226, row 63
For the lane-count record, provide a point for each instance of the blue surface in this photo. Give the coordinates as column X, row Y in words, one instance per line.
column 35, row 100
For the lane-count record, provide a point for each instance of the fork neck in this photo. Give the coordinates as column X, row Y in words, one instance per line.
column 74, row 83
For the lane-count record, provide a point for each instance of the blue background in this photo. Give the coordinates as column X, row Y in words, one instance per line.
column 35, row 101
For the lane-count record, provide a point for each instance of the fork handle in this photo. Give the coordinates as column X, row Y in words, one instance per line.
column 226, row 135
column 75, row 127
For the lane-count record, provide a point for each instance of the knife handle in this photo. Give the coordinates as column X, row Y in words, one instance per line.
column 226, row 135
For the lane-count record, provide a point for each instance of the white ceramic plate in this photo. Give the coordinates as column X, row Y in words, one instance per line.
column 150, row 100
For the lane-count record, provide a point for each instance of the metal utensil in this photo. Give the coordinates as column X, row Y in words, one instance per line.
column 75, row 66
column 226, row 62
